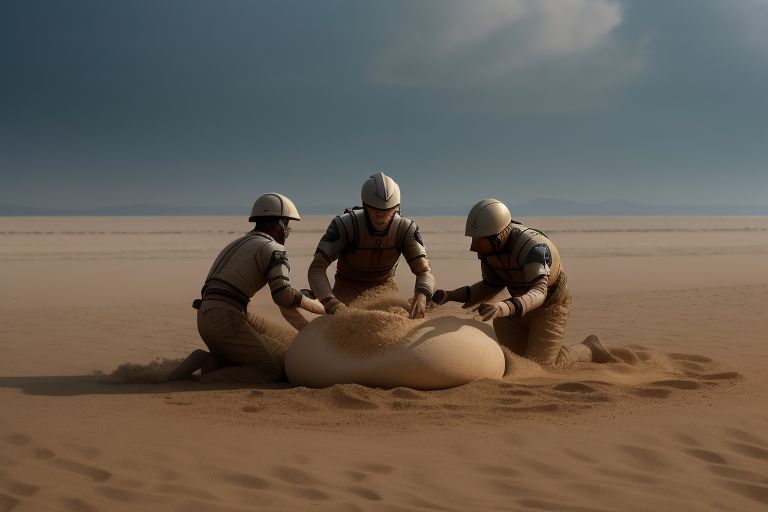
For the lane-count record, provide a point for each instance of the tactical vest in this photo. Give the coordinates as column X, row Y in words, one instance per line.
column 370, row 258
column 515, row 267
column 241, row 267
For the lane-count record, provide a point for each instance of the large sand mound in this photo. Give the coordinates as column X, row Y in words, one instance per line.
column 374, row 343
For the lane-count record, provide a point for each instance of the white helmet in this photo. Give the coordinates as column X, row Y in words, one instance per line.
column 274, row 205
column 486, row 218
column 380, row 191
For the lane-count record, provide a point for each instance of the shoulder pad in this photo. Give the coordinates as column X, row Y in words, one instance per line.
column 279, row 258
column 417, row 236
column 332, row 233
column 539, row 254
column 348, row 223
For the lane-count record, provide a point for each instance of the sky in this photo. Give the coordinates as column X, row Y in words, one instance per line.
column 208, row 104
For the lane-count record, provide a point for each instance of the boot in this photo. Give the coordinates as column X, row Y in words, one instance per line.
column 600, row 354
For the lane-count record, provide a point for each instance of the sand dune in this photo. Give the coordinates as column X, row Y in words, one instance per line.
column 680, row 426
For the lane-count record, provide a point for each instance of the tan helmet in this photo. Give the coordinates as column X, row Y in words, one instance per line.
column 274, row 205
column 488, row 217
column 380, row 191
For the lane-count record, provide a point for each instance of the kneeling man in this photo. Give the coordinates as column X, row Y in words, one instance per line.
column 235, row 337
column 531, row 323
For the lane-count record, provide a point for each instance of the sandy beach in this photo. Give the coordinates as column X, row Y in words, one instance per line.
column 682, row 428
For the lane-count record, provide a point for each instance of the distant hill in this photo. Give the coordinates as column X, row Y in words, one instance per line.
column 533, row 207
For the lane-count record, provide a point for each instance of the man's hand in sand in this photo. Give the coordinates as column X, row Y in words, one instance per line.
column 333, row 305
column 418, row 305
column 487, row 312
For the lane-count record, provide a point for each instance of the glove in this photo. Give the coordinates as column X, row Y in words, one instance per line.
column 418, row 305
column 458, row 295
column 332, row 305
column 440, row 297
column 488, row 312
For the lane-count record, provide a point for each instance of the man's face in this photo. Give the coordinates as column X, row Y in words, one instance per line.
column 481, row 245
column 380, row 218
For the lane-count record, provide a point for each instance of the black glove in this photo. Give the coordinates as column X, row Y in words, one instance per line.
column 440, row 297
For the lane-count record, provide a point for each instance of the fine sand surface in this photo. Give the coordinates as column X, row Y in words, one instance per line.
column 680, row 424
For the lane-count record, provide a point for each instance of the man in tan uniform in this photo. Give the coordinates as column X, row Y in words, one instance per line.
column 523, row 260
column 368, row 242
column 235, row 337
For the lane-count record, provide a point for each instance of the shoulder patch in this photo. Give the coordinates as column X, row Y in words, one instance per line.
column 332, row 233
column 540, row 254
column 279, row 258
column 417, row 236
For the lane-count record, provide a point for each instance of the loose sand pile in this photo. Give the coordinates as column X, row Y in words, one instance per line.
column 373, row 323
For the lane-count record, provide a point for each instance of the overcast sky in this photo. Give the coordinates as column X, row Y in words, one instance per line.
column 211, row 103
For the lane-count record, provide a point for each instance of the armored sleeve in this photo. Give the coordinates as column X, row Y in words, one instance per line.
column 275, row 263
column 415, row 254
column 328, row 250
column 531, row 299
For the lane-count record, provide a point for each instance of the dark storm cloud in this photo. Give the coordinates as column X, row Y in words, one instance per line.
column 207, row 102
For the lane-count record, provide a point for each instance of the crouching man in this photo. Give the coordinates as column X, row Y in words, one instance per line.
column 368, row 243
column 531, row 323
column 237, row 339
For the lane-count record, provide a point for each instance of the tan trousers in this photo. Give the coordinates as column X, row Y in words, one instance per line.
column 239, row 342
column 539, row 335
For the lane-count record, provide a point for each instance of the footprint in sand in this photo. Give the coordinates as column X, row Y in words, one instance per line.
column 365, row 493
column 293, row 476
column 8, row 503
column 758, row 493
column 706, row 456
column 96, row 474
column 43, row 453
column 739, row 474
column 750, row 450
column 746, row 437
column 19, row 488
column 242, row 480
column 677, row 384
column 356, row 476
column 77, row 505
column 722, row 376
